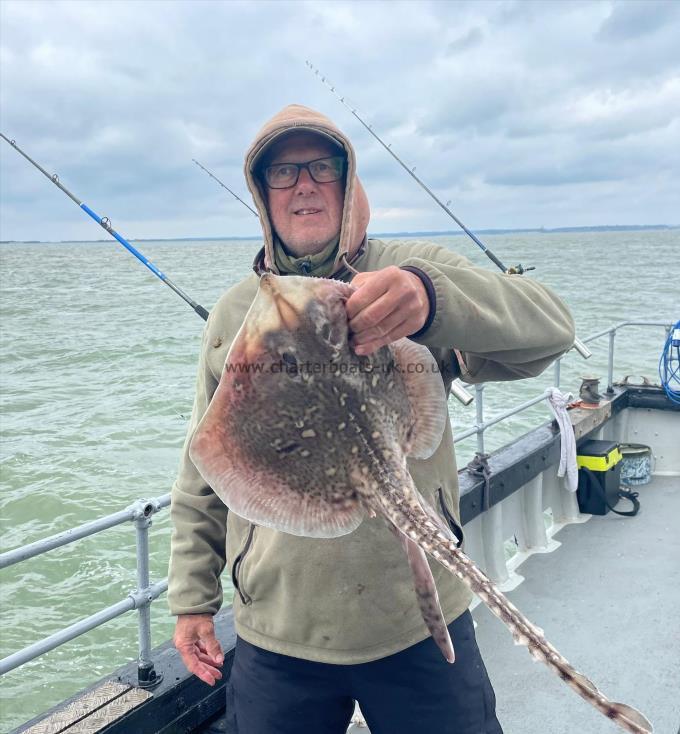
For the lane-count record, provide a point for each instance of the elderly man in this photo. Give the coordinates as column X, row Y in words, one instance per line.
column 324, row 622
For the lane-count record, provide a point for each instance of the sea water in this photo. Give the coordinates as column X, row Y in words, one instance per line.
column 97, row 373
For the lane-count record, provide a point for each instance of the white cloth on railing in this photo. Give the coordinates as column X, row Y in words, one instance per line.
column 558, row 402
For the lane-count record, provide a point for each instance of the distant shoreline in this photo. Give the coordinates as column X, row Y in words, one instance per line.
column 427, row 233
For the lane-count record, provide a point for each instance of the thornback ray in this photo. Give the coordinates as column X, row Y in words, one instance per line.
column 306, row 437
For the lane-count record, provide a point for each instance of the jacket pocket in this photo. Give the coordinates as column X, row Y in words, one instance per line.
column 451, row 521
column 237, row 567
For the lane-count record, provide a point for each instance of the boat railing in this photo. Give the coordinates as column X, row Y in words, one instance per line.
column 141, row 512
column 481, row 425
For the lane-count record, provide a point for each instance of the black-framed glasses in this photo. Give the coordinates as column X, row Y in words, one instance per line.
column 322, row 170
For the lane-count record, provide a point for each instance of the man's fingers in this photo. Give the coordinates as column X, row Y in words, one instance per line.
column 369, row 289
column 207, row 673
column 373, row 333
column 403, row 329
column 214, row 649
column 211, row 648
column 200, row 650
column 187, row 652
column 199, row 663
column 210, row 651
column 203, row 657
column 372, row 314
column 387, row 298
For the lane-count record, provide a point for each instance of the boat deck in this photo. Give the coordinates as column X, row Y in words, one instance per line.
column 608, row 599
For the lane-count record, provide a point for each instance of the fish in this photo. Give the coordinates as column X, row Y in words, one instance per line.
column 292, row 361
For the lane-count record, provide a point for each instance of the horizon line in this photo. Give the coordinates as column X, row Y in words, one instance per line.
column 401, row 233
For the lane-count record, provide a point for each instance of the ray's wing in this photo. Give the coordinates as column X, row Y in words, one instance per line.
column 260, row 472
column 426, row 398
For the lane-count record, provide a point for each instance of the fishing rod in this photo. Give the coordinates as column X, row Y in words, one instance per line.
column 224, row 186
column 105, row 223
column 517, row 270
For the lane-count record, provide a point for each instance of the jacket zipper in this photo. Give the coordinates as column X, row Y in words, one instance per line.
column 456, row 529
column 238, row 564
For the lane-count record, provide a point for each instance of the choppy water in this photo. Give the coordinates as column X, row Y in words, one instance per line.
column 97, row 375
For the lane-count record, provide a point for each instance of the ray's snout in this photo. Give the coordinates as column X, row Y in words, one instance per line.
column 284, row 296
column 268, row 282
column 273, row 287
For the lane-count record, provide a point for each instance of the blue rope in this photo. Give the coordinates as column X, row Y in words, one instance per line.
column 669, row 364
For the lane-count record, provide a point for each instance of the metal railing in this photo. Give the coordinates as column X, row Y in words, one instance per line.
column 481, row 426
column 141, row 511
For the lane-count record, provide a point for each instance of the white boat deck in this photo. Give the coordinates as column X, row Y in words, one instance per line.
column 609, row 600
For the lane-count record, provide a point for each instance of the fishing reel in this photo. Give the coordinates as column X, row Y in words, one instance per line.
column 519, row 270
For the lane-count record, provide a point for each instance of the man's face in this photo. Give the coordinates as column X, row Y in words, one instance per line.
column 307, row 216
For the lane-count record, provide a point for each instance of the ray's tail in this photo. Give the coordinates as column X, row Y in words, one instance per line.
column 434, row 541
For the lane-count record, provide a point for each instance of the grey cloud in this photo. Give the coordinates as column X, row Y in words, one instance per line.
column 526, row 13
column 563, row 164
column 474, row 102
column 472, row 38
column 635, row 18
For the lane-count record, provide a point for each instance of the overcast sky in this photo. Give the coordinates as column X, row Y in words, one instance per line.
column 523, row 114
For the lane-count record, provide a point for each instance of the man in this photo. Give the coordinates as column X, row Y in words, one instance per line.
column 324, row 622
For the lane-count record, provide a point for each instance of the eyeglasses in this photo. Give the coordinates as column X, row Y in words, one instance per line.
column 322, row 170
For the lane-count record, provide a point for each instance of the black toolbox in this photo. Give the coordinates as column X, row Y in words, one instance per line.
column 599, row 476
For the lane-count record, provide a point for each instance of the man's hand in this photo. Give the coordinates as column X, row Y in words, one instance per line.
column 196, row 642
column 388, row 304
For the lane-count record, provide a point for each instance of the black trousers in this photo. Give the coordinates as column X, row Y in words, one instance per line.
column 414, row 691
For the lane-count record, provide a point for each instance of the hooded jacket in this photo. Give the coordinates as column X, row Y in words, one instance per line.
column 356, row 211
column 350, row 599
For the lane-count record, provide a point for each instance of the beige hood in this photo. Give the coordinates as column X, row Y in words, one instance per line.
column 356, row 211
